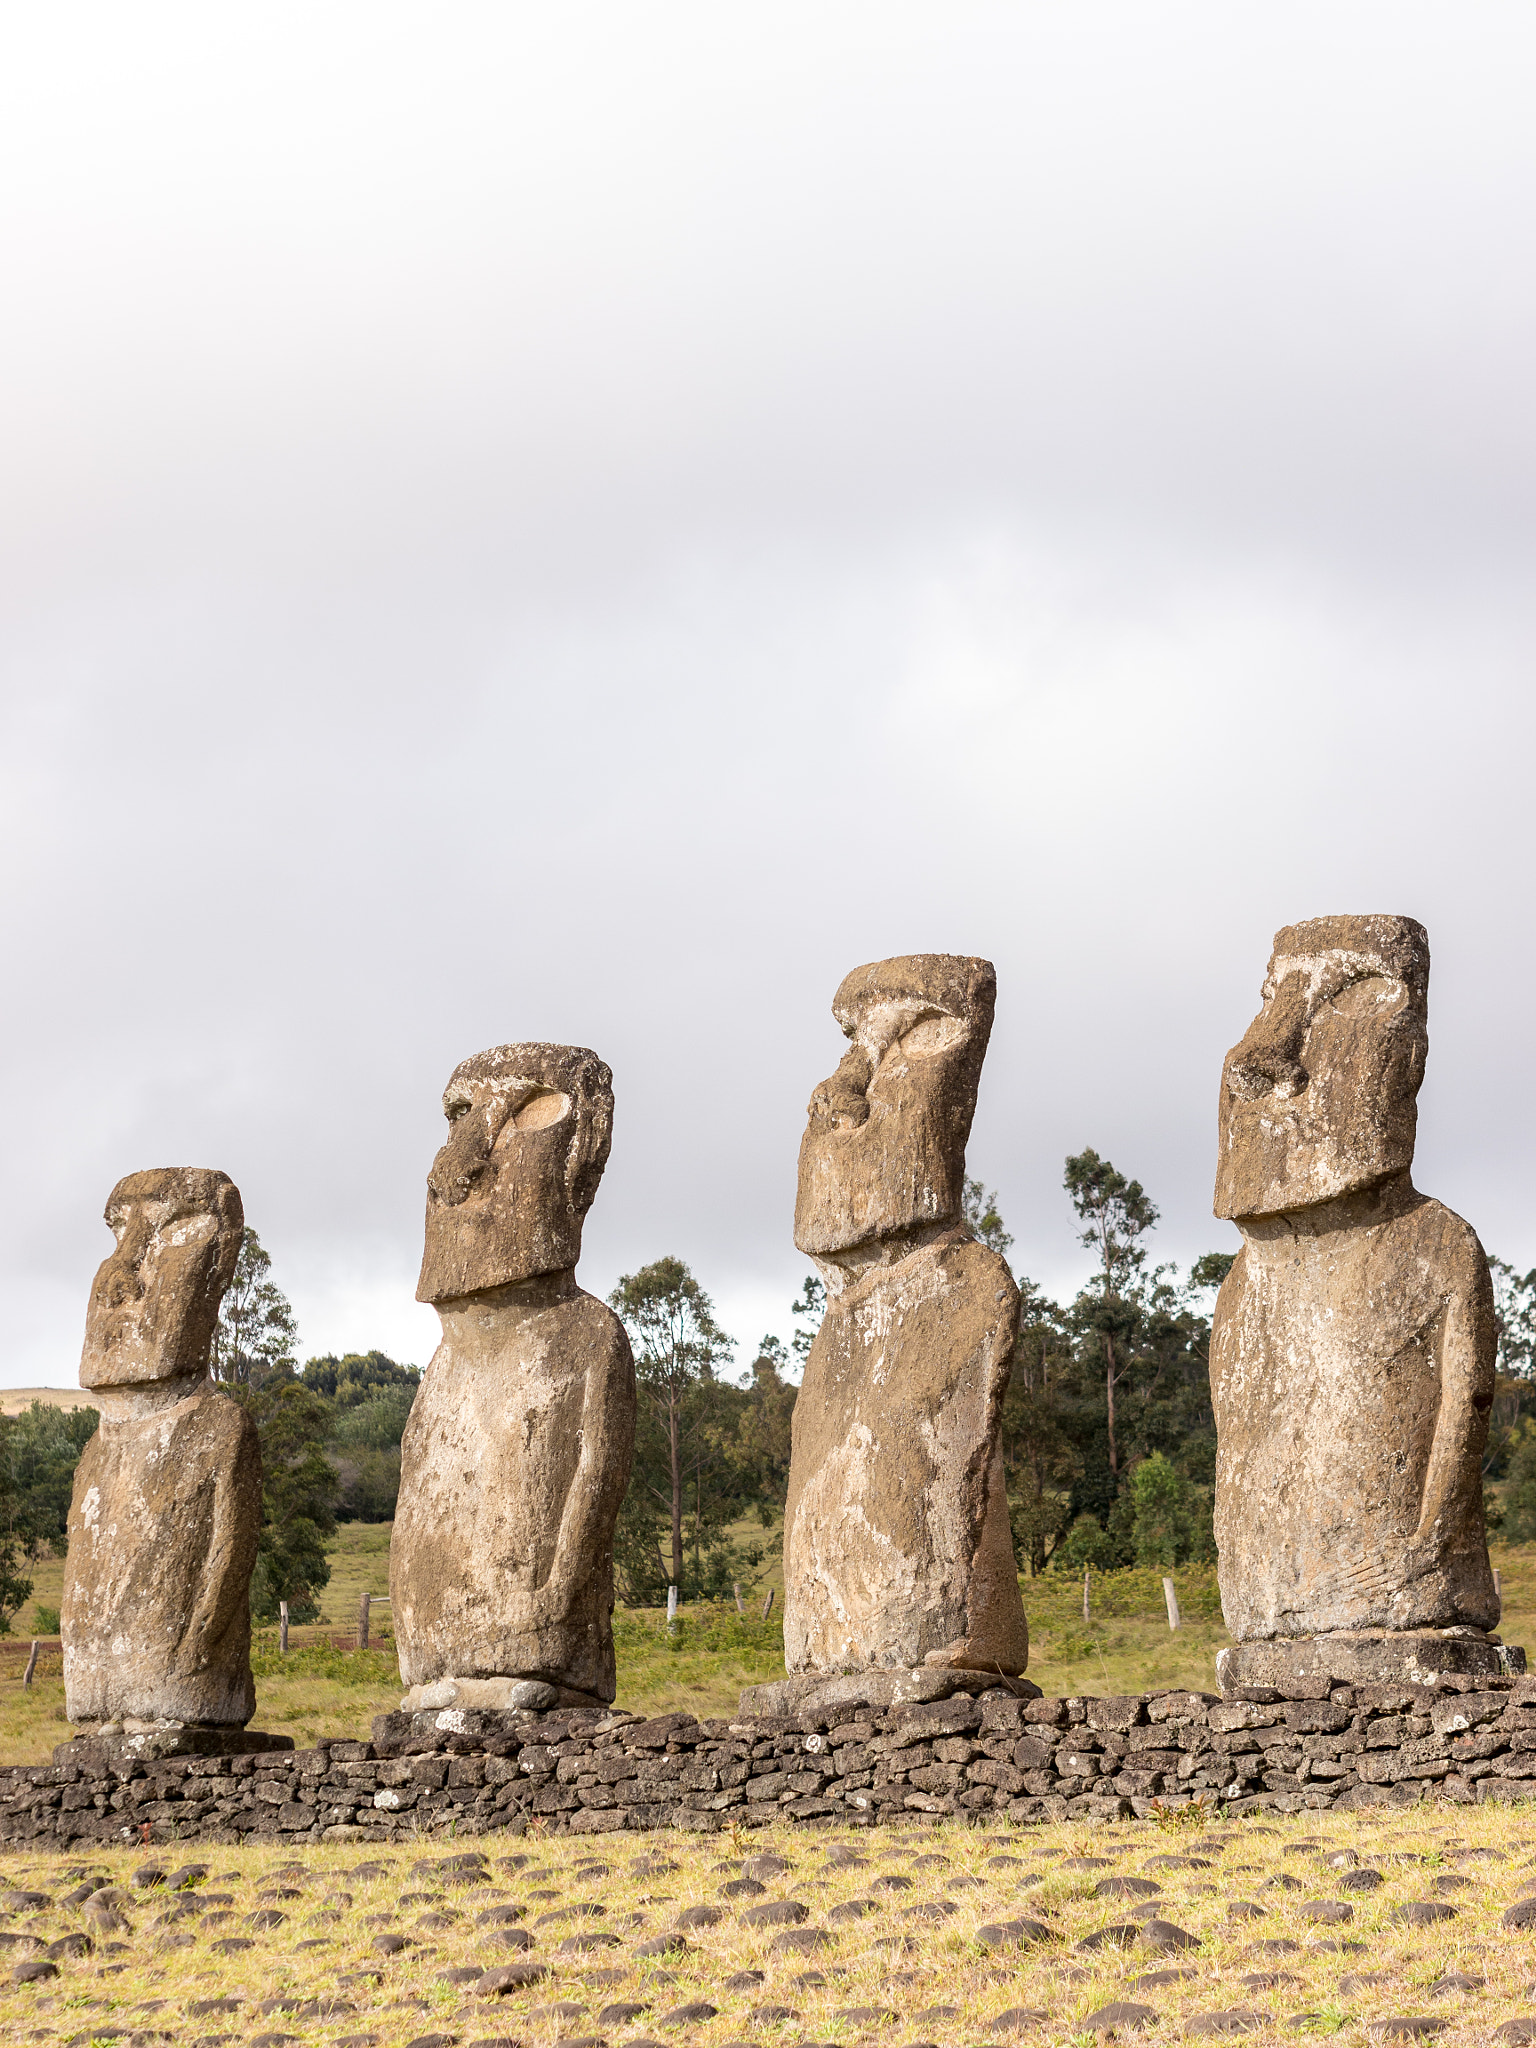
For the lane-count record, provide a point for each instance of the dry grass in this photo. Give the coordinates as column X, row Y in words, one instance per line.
column 933, row 1977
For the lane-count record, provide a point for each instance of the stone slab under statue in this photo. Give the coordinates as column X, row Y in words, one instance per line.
column 518, row 1449
column 166, row 1508
column 898, row 1560
column 1352, row 1347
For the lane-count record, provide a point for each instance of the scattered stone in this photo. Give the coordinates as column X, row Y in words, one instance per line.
column 1165, row 1934
column 1120, row 2016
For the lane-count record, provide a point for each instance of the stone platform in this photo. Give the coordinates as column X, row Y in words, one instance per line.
column 881, row 1690
column 1368, row 1657
column 996, row 1758
column 143, row 1742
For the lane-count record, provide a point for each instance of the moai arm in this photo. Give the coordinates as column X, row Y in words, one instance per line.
column 232, row 1533
column 1466, row 1347
column 602, row 1471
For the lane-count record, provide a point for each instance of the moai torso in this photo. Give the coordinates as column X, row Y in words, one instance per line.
column 162, row 1543
column 1353, row 1343
column 517, row 1453
column 897, row 1550
column 166, row 1508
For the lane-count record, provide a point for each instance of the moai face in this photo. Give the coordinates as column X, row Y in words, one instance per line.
column 885, row 1146
column 509, row 1191
column 155, row 1301
column 1321, row 1096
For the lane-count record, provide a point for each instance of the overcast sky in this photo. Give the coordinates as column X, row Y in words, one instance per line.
column 587, row 522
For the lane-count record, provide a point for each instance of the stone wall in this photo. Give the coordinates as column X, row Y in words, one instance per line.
column 995, row 1758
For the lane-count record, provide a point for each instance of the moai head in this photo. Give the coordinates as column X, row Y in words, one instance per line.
column 1321, row 1096
column 885, row 1145
column 508, row 1193
column 155, row 1301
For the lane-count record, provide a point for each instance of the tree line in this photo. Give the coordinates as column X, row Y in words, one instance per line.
column 1108, row 1437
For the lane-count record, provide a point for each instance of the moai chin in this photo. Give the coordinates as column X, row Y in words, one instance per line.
column 1352, row 1349
column 166, row 1508
column 897, row 1547
column 519, row 1445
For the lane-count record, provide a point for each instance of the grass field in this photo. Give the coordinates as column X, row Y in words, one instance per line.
column 928, row 1933
column 325, row 1687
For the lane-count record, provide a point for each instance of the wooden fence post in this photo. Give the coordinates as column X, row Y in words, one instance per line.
column 768, row 1604
column 1085, row 1592
column 282, row 1627
column 362, row 1621
column 736, row 1589
column 1173, row 1603
column 671, row 1607
column 26, row 1676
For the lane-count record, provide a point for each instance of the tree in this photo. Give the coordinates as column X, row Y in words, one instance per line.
column 809, row 1307
column 371, row 1399
column 15, row 1591
column 1211, row 1269
column 678, row 1344
column 1514, row 1322
column 256, row 1330
column 1170, row 1521
column 1116, row 1213
column 299, row 1490
column 1040, row 1460
column 43, row 1448
column 980, row 1207
column 763, row 1430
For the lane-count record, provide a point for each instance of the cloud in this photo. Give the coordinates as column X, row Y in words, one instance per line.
column 587, row 526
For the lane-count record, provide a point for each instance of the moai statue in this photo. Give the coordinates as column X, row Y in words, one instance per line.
column 519, row 1445
column 897, row 1553
column 1353, row 1344
column 167, row 1500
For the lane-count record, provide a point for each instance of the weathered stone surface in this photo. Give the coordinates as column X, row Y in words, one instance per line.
column 897, row 1548
column 1382, row 1656
column 878, row 1689
column 519, row 1445
column 167, row 1498
column 1352, row 1347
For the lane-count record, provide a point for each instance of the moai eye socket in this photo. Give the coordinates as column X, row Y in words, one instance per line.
column 931, row 1035
column 545, row 1107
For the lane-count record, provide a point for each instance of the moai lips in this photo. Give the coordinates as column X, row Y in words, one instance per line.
column 167, row 1496
column 518, row 1449
column 1353, row 1343
column 897, row 1547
